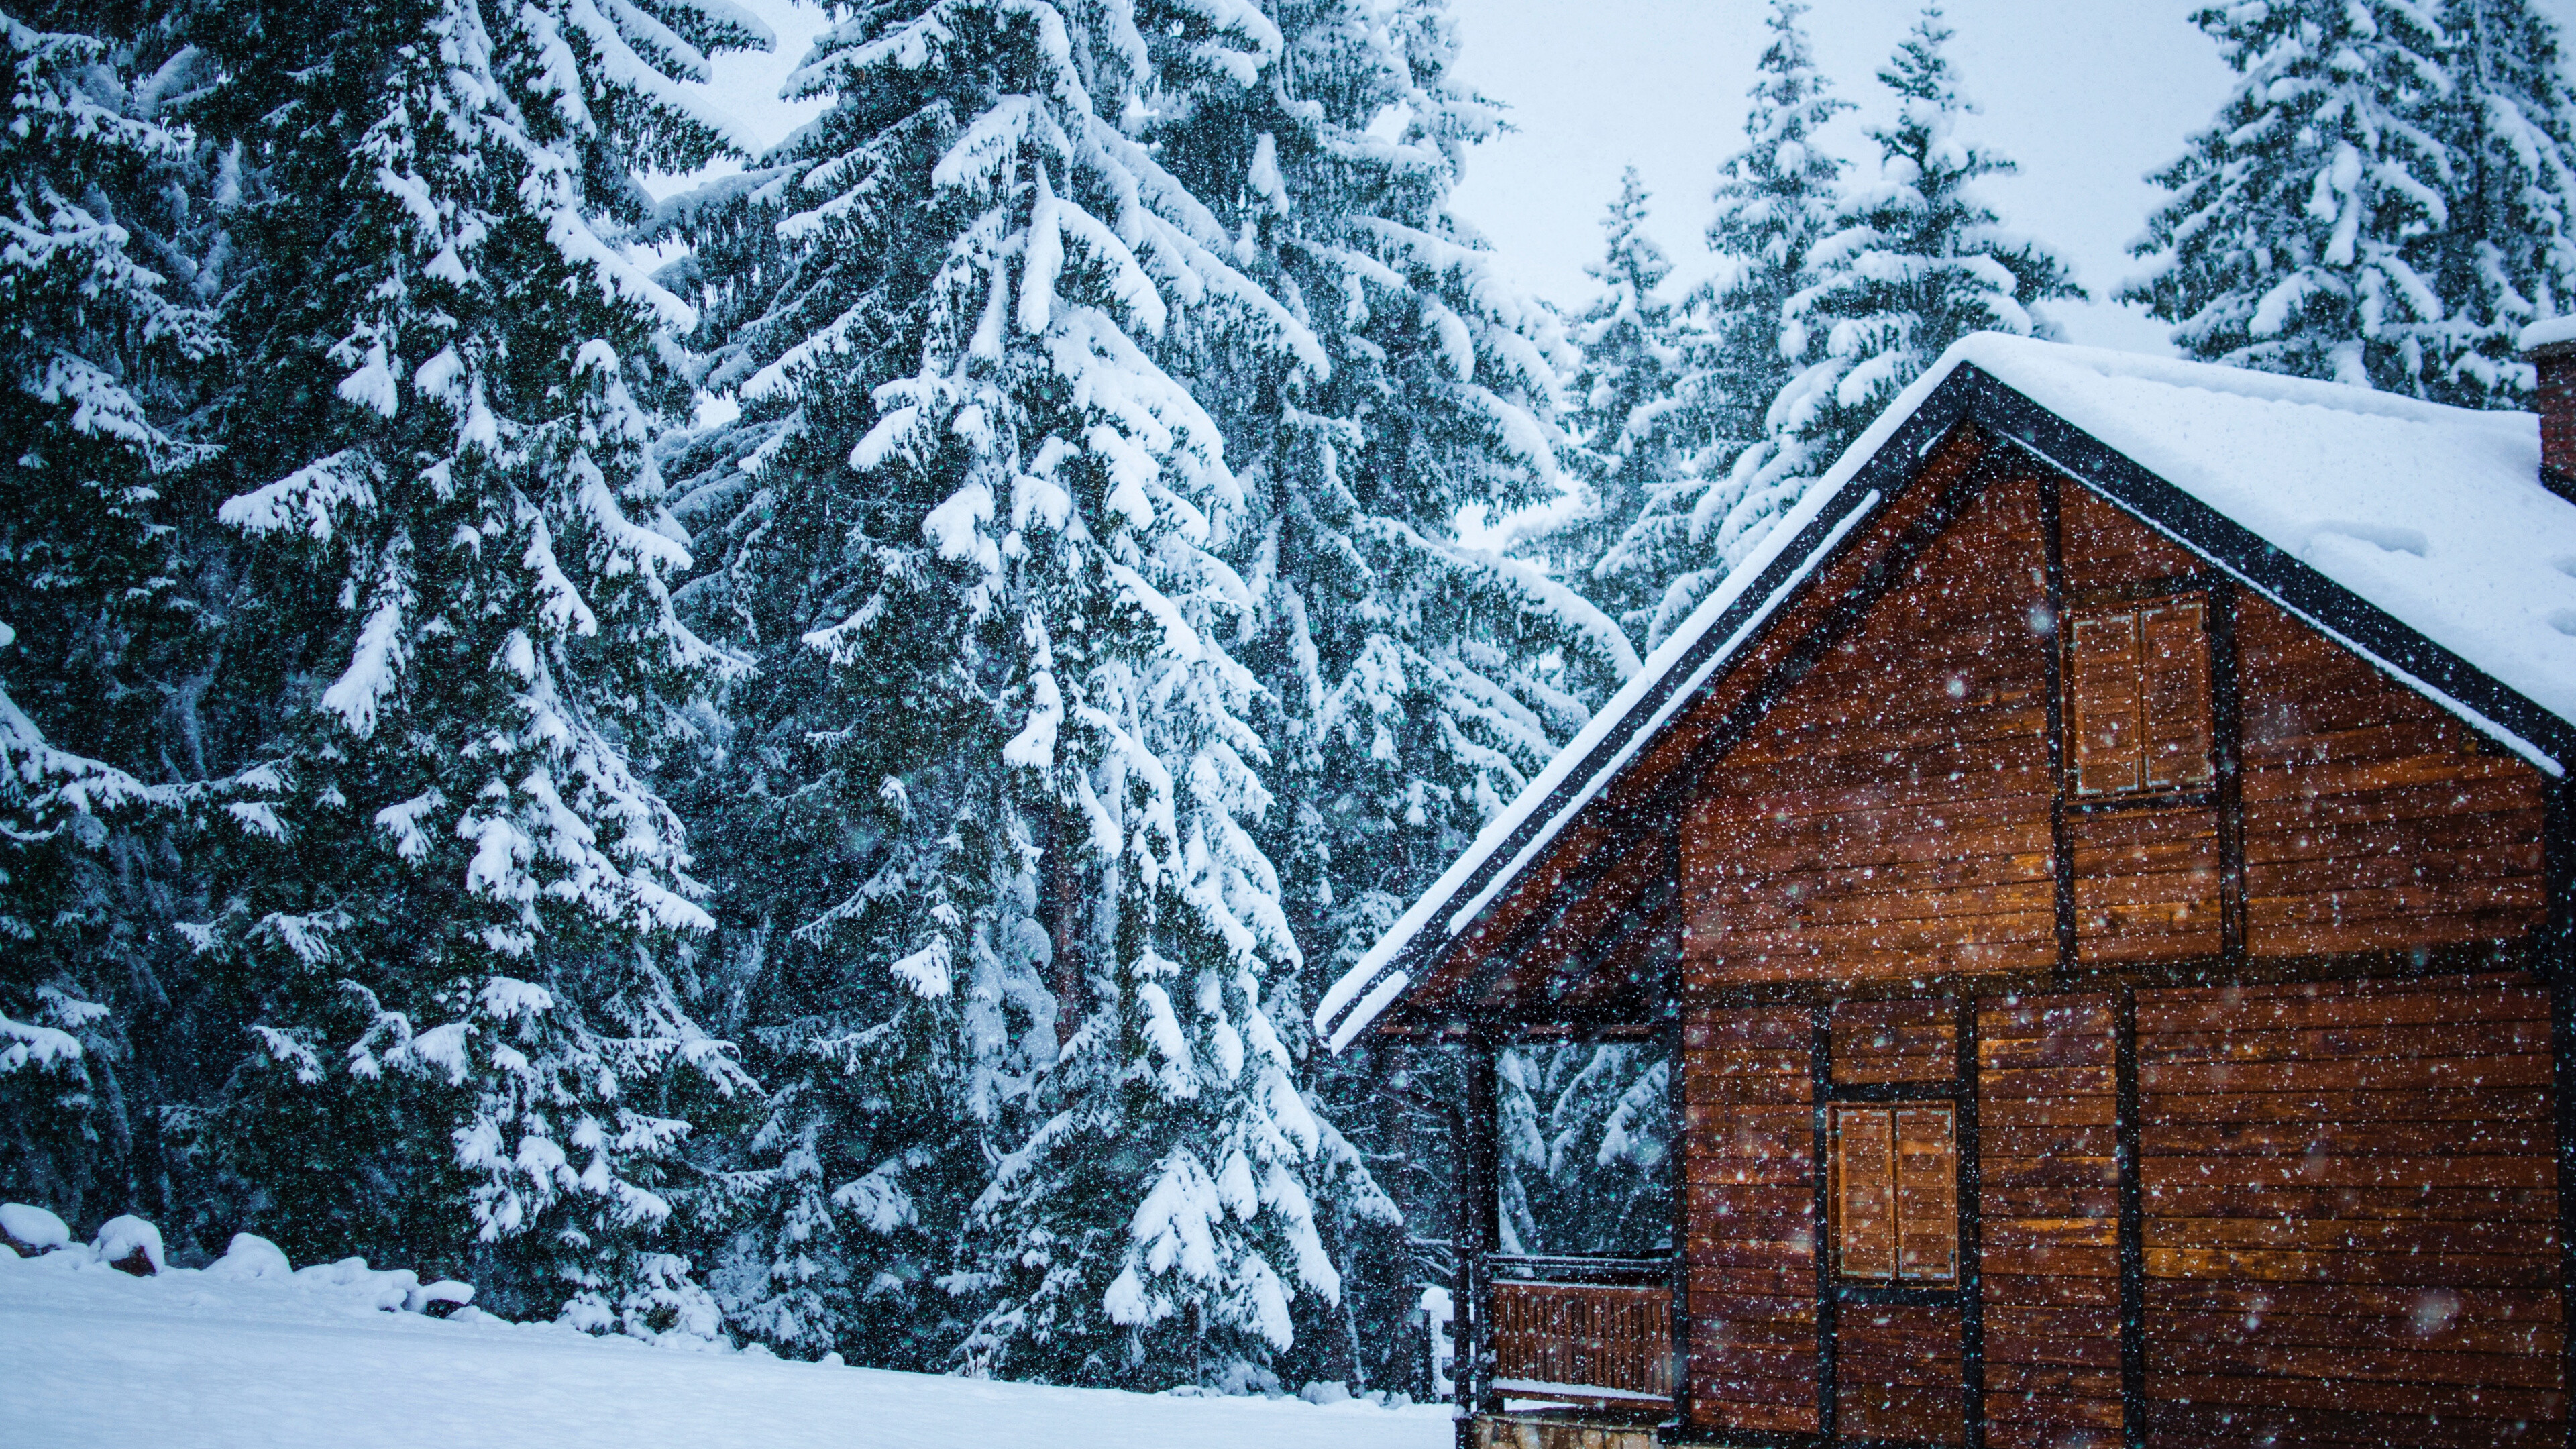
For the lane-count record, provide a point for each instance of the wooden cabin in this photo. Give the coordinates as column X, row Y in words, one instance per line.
column 2103, row 874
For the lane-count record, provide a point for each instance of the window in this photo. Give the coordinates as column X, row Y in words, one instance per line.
column 1585, row 1160
column 2137, row 698
column 1896, row 1193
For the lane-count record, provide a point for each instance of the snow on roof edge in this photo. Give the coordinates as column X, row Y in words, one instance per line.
column 1362, row 976
column 2547, row 333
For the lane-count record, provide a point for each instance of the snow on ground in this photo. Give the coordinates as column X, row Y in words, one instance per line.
column 92, row 1357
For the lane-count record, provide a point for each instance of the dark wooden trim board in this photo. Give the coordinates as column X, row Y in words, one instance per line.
column 1972, row 1234
column 1820, row 1072
column 2133, row 1248
column 2558, row 967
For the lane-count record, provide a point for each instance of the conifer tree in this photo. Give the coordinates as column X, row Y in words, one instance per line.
column 1776, row 199
column 1632, row 358
column 2300, row 234
column 1419, row 684
column 1412, row 686
column 1003, row 521
column 456, row 938
column 881, row 953
column 1921, row 261
column 94, row 355
column 2508, row 257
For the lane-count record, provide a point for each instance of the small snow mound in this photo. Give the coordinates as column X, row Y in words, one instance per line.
column 2550, row 333
column 832, row 1359
column 130, row 1244
column 31, row 1230
column 1325, row 1392
column 440, row 1299
column 2388, row 538
column 389, row 1290
column 251, row 1256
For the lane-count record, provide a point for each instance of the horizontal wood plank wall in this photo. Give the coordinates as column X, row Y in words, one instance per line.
column 2146, row 884
column 1897, row 1373
column 1748, row 1097
column 2374, row 820
column 2350, row 1214
column 1637, row 793
column 2107, row 550
column 1536, row 983
column 1877, row 1042
column 2049, row 1203
column 1888, row 819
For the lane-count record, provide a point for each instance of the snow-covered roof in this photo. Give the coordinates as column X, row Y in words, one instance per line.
column 2429, row 519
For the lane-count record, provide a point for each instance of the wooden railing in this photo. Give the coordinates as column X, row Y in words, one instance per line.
column 1599, row 1342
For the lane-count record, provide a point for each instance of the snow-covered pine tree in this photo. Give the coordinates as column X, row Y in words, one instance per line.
column 1920, row 262
column 92, row 355
column 1412, row 686
column 2508, row 256
column 1419, row 684
column 1623, row 417
column 2298, row 236
column 1001, row 520
column 1776, row 199
column 456, row 940
column 870, row 860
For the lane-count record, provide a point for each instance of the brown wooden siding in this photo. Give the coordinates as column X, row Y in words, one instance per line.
column 1636, row 801
column 1894, row 1041
column 2351, row 1211
column 2107, row 550
column 2374, row 820
column 1889, row 817
column 1897, row 1374
column 1748, row 1097
column 2049, row 1207
column 2146, row 883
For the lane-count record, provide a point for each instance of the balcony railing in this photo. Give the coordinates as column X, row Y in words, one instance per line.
column 1588, row 1330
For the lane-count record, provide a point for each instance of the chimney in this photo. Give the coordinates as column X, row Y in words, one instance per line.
column 2551, row 346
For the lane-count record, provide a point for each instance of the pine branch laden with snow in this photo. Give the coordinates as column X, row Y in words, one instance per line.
column 93, row 363
column 2384, row 201
column 466, row 904
column 1921, row 260
column 1777, row 199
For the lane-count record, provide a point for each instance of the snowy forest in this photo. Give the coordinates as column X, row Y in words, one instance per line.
column 787, row 763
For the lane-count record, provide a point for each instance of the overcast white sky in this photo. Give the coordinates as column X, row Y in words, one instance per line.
column 2088, row 95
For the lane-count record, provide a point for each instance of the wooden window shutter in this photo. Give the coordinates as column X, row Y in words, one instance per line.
column 1864, row 1190
column 2105, row 751
column 1896, row 1193
column 1927, row 1194
column 2175, row 665
column 2137, row 699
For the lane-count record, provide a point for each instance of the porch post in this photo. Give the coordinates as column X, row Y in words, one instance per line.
column 1480, row 1226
